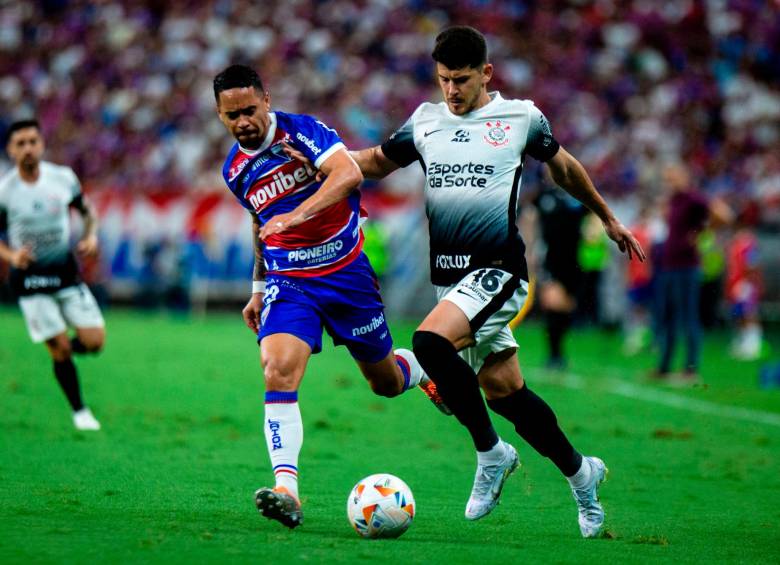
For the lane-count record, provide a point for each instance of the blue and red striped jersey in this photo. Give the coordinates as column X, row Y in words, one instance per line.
column 267, row 182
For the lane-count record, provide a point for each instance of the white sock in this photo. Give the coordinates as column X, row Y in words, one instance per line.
column 494, row 456
column 582, row 477
column 283, row 437
column 411, row 369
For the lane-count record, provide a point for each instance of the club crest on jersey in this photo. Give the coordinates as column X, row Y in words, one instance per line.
column 496, row 135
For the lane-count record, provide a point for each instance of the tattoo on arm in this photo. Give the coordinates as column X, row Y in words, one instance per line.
column 84, row 207
column 258, row 273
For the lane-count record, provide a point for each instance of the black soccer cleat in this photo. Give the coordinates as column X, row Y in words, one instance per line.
column 278, row 504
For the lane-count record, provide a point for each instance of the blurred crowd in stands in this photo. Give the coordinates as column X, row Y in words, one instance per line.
column 124, row 95
column 123, row 88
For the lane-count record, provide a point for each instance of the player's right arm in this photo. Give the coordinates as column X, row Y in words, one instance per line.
column 373, row 162
column 379, row 161
column 18, row 258
column 251, row 312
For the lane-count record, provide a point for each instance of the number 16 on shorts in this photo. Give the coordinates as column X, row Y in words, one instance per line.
column 477, row 289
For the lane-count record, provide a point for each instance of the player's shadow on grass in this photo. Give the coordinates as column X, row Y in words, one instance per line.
column 430, row 538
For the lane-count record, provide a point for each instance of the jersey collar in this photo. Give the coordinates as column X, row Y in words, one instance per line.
column 495, row 98
column 269, row 137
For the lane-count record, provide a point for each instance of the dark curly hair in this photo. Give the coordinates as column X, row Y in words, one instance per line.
column 236, row 76
column 458, row 47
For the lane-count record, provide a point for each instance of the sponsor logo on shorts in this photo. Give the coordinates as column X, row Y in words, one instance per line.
column 473, row 292
column 452, row 261
column 276, row 437
column 368, row 328
column 34, row 282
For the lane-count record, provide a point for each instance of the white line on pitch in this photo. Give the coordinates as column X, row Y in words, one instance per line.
column 637, row 392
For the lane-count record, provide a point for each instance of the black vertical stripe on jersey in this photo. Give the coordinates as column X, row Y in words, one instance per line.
column 495, row 304
column 513, row 204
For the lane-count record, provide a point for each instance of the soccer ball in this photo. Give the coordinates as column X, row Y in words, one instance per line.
column 380, row 506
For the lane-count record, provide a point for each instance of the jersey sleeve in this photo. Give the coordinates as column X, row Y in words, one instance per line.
column 314, row 139
column 541, row 145
column 72, row 183
column 3, row 214
column 400, row 147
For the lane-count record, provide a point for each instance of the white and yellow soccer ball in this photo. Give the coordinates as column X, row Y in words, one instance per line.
column 380, row 506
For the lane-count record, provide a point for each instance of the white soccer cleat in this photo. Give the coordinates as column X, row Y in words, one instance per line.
column 85, row 421
column 488, row 483
column 591, row 514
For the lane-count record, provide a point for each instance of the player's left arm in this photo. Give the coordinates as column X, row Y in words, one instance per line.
column 569, row 174
column 342, row 177
column 88, row 244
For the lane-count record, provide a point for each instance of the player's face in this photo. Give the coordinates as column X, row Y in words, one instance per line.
column 464, row 89
column 244, row 111
column 26, row 147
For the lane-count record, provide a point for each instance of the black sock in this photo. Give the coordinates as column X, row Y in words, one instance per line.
column 536, row 423
column 457, row 383
column 77, row 346
column 65, row 371
column 557, row 326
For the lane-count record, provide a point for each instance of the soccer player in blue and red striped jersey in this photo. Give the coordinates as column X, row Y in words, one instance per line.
column 311, row 276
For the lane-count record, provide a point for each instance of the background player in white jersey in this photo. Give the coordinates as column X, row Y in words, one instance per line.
column 35, row 201
column 472, row 149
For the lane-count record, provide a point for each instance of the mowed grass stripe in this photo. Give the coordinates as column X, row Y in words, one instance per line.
column 634, row 391
column 170, row 478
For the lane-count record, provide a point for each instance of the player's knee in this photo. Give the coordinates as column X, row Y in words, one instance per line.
column 280, row 374
column 429, row 347
column 499, row 387
column 59, row 349
column 94, row 345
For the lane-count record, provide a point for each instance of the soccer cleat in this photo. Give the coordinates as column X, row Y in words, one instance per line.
column 278, row 504
column 591, row 514
column 488, row 483
column 85, row 421
column 429, row 388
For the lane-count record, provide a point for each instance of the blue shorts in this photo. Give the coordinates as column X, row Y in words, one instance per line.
column 346, row 303
column 641, row 295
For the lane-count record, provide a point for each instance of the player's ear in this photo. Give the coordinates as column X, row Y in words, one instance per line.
column 267, row 100
column 487, row 73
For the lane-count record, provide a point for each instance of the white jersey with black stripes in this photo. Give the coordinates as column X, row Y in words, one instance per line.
column 473, row 165
column 38, row 213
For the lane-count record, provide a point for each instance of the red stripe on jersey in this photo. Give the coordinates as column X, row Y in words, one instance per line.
column 240, row 160
column 320, row 228
column 328, row 269
column 278, row 183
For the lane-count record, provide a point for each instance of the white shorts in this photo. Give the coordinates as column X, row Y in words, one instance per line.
column 487, row 299
column 48, row 315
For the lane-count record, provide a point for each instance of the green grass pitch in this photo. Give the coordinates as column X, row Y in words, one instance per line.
column 695, row 473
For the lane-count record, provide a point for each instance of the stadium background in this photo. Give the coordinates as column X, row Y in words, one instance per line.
column 123, row 92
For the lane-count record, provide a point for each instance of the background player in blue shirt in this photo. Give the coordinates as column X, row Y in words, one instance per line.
column 312, row 275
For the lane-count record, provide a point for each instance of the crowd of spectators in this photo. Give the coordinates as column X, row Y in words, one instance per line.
column 123, row 88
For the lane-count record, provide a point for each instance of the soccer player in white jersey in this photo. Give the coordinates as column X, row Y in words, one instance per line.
column 472, row 147
column 35, row 201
